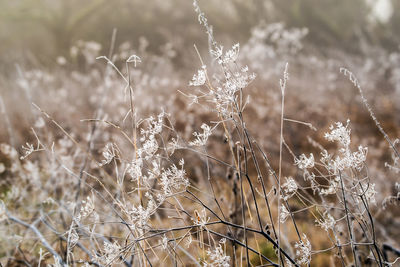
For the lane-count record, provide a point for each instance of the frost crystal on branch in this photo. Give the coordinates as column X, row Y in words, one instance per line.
column 173, row 180
column 339, row 133
column 28, row 149
column 370, row 193
column 201, row 218
column 200, row 78
column 217, row 258
column 328, row 222
column 135, row 59
column 333, row 187
column 111, row 252
column 305, row 163
column 108, row 154
column 289, row 188
column 74, row 238
column 303, row 250
column 217, row 52
column 348, row 159
column 135, row 169
column 87, row 207
column 140, row 216
column 284, row 214
column 201, row 138
column 230, row 55
column 150, row 146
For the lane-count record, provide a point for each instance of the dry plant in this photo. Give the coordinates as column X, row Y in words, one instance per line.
column 152, row 196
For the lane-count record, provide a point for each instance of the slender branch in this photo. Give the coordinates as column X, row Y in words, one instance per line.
column 38, row 234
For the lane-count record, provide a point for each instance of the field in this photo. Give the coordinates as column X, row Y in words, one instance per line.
column 153, row 138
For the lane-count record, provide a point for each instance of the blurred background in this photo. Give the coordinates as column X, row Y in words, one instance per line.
column 37, row 31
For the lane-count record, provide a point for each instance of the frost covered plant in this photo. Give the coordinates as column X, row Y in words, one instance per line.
column 155, row 125
column 173, row 180
column 395, row 166
column 150, row 146
column 28, row 149
column 305, row 163
column 135, row 169
column 156, row 202
column 232, row 79
column 73, row 238
column 392, row 199
column 289, row 188
column 111, row 252
column 201, row 138
column 164, row 242
column 87, row 207
column 340, row 133
column 370, row 193
column 217, row 258
column 140, row 216
column 328, row 222
column 224, row 96
column 148, row 136
column 347, row 158
column 230, row 55
column 57, row 262
column 135, row 59
column 109, row 153
column 201, row 218
column 189, row 241
column 284, row 214
column 303, row 250
column 332, row 188
column 200, row 78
